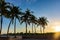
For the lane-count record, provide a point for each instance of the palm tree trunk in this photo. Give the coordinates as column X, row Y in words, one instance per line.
column 8, row 28
column 43, row 30
column 26, row 27
column 32, row 27
column 15, row 27
column 35, row 28
column 1, row 24
column 40, row 30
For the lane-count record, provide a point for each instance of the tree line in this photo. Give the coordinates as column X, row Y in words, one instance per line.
column 14, row 13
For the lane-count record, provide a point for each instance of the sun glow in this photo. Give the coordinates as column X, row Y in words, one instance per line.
column 57, row 28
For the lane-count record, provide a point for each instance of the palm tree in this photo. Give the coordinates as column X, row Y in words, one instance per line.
column 33, row 21
column 26, row 18
column 3, row 11
column 14, row 14
column 43, row 22
column 39, row 24
column 36, row 24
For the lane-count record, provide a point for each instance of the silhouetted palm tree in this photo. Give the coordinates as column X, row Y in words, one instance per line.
column 36, row 24
column 39, row 24
column 26, row 18
column 14, row 14
column 43, row 22
column 3, row 11
column 33, row 21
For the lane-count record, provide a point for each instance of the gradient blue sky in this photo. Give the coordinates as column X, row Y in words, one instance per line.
column 47, row 8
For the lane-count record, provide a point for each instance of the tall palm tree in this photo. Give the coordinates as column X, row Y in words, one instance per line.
column 2, row 4
column 36, row 24
column 33, row 21
column 39, row 24
column 13, row 15
column 26, row 18
column 43, row 22
column 3, row 11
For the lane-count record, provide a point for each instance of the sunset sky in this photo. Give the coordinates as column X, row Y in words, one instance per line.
column 47, row 8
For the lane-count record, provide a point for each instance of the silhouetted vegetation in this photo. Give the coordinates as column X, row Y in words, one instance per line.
column 14, row 13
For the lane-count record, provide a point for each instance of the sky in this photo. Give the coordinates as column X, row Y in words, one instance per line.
column 47, row 8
